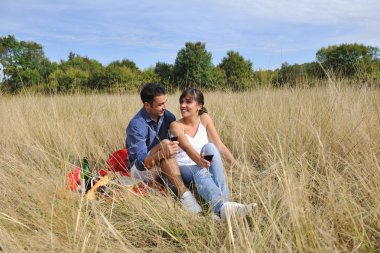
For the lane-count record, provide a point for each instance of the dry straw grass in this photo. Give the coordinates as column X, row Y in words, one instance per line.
column 309, row 157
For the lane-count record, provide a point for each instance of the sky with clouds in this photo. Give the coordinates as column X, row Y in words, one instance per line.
column 266, row 32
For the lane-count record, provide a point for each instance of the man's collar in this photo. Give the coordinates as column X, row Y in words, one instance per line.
column 146, row 116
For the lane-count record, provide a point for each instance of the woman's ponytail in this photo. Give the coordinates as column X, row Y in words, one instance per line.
column 202, row 110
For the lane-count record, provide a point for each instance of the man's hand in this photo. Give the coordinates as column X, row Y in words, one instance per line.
column 169, row 149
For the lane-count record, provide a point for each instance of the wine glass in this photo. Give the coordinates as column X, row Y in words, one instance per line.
column 208, row 152
column 173, row 135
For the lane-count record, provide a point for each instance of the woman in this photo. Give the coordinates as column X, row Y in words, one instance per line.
column 196, row 129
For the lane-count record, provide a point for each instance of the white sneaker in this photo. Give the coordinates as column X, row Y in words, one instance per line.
column 232, row 208
column 190, row 203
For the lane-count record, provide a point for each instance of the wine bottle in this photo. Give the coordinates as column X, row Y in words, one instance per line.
column 85, row 176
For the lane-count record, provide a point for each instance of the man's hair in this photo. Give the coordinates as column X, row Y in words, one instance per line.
column 151, row 90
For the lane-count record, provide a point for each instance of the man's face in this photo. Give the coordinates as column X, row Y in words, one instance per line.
column 157, row 108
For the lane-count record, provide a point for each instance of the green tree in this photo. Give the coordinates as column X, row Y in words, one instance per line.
column 82, row 63
column 165, row 72
column 193, row 66
column 148, row 75
column 348, row 60
column 77, row 73
column 375, row 70
column 299, row 74
column 3, row 49
column 265, row 77
column 219, row 78
column 290, row 74
column 125, row 79
column 69, row 79
column 119, row 76
column 24, row 64
column 238, row 71
column 124, row 63
column 313, row 70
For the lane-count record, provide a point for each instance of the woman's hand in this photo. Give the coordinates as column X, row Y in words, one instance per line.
column 234, row 163
column 203, row 163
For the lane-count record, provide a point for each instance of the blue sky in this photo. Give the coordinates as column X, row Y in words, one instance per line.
column 267, row 32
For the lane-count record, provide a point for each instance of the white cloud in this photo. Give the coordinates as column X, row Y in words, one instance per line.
column 252, row 27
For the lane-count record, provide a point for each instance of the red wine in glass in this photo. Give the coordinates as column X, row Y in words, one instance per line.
column 208, row 157
column 208, row 152
column 173, row 135
column 173, row 138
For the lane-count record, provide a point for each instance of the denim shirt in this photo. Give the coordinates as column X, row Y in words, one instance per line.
column 143, row 134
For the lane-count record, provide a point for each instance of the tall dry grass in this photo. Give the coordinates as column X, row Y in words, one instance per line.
column 309, row 157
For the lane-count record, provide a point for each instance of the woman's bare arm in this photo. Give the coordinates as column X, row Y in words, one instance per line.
column 214, row 138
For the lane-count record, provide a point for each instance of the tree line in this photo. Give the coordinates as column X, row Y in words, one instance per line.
column 25, row 67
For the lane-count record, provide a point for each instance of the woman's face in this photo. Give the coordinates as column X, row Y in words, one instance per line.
column 189, row 106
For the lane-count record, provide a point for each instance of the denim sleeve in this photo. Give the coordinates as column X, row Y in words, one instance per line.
column 136, row 144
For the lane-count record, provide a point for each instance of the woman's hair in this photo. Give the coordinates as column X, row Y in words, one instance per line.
column 197, row 95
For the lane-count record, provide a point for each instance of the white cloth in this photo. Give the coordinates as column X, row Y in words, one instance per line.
column 146, row 175
column 198, row 141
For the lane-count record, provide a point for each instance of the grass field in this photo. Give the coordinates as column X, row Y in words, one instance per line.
column 310, row 158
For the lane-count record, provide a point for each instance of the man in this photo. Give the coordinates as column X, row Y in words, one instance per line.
column 150, row 152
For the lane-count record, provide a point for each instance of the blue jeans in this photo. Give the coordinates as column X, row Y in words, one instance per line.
column 210, row 183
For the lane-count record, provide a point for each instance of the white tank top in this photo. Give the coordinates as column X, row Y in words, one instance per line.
column 198, row 141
